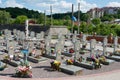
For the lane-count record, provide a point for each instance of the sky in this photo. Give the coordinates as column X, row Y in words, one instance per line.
column 59, row 6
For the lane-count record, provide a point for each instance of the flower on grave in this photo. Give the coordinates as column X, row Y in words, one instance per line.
column 102, row 59
column 38, row 56
column 69, row 61
column 55, row 64
column 71, row 50
column 23, row 71
column 6, row 57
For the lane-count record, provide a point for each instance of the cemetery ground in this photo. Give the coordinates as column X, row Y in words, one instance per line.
column 43, row 70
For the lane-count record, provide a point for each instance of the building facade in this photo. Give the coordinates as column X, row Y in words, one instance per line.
column 99, row 12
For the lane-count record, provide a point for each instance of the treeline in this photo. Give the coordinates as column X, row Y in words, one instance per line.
column 14, row 12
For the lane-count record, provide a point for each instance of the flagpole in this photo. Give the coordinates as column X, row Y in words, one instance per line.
column 44, row 17
column 51, row 14
column 78, row 18
column 72, row 16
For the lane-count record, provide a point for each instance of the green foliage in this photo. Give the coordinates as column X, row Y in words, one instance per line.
column 83, row 27
column 96, row 21
column 21, row 19
column 21, row 11
column 41, row 19
column 58, row 22
column 4, row 17
column 85, row 17
column 117, row 30
column 106, row 18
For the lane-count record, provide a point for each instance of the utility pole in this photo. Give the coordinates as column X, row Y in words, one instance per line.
column 78, row 18
column 72, row 16
column 51, row 15
column 44, row 17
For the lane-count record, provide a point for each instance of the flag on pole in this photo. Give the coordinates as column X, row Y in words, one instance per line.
column 74, row 18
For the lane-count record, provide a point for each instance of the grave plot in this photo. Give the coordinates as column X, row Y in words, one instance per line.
column 11, row 58
column 34, row 54
column 97, row 55
column 84, row 44
column 79, row 60
column 103, row 58
column 111, row 55
column 116, row 51
column 49, row 50
column 69, row 47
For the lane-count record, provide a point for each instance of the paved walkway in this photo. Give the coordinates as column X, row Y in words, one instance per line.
column 112, row 75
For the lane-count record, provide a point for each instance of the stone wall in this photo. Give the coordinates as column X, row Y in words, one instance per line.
column 37, row 28
column 57, row 30
column 100, row 38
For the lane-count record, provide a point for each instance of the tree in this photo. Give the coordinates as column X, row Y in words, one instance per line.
column 83, row 27
column 85, row 17
column 41, row 19
column 117, row 30
column 96, row 21
column 21, row 19
column 4, row 17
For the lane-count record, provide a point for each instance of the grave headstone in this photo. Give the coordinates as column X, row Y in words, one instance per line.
column 92, row 47
column 58, row 51
column 22, row 35
column 77, row 49
column 18, row 35
column 6, row 31
column 42, row 34
column 48, row 49
column 14, row 31
column 84, row 38
column 115, row 43
column 38, row 36
column 32, row 34
column 105, row 41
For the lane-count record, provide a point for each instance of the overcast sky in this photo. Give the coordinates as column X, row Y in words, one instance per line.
column 59, row 6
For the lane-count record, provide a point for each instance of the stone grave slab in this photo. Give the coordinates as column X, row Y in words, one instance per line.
column 71, row 69
column 116, row 58
column 84, row 65
column 36, row 60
